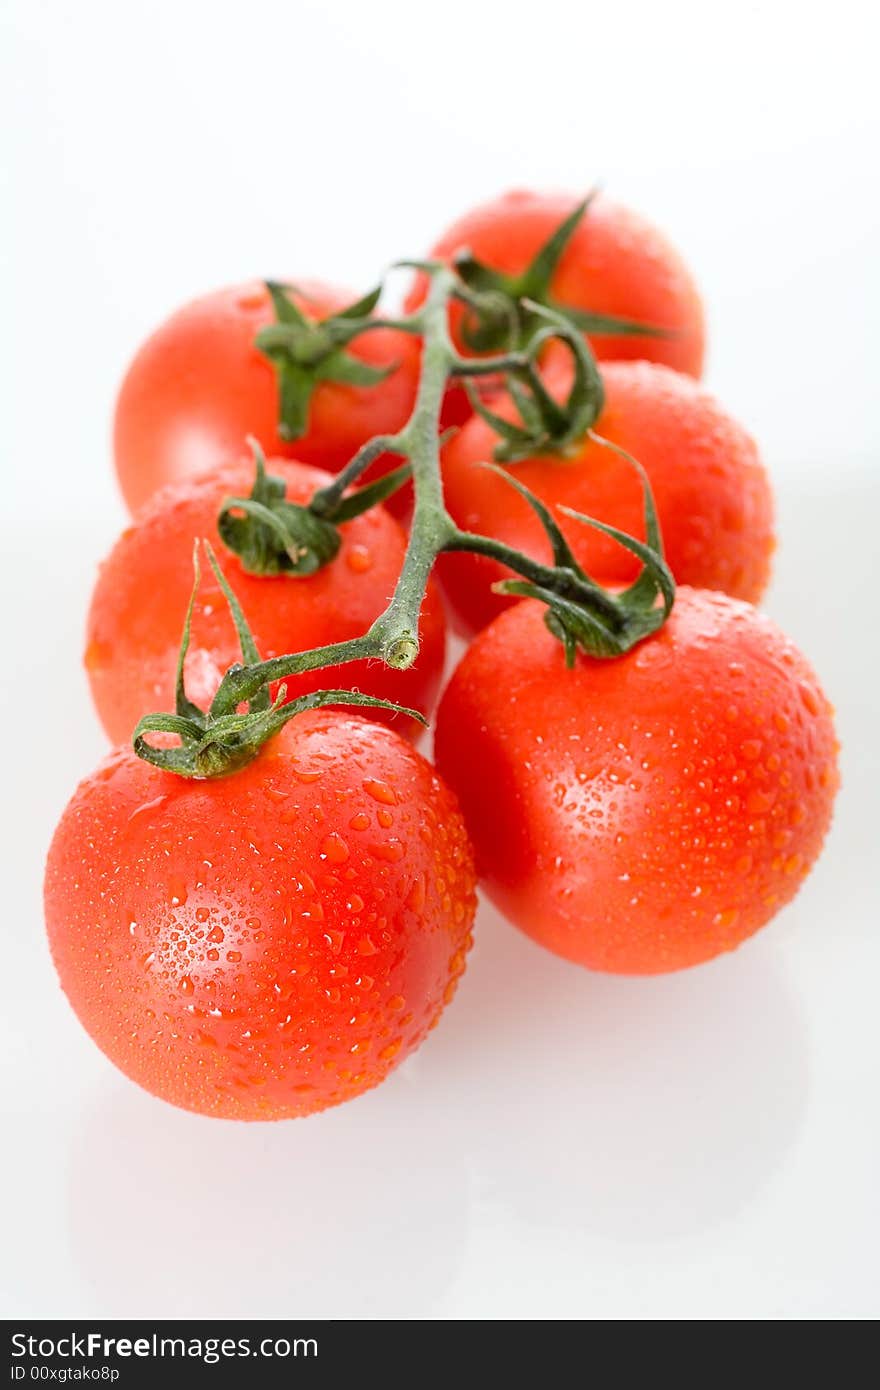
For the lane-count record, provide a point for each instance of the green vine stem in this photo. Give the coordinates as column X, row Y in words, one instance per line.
column 580, row 613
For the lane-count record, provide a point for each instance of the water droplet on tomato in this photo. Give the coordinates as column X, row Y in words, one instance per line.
column 727, row 918
column 153, row 805
column 335, row 849
column 359, row 559
column 392, row 850
column 415, row 898
column 306, row 774
column 809, row 697
column 380, row 791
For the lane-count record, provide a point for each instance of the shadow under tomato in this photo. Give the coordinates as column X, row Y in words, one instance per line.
column 637, row 1109
column 359, row 1212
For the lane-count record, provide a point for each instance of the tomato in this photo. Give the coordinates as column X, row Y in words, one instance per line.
column 615, row 263
column 643, row 813
column 712, row 493
column 199, row 386
column 136, row 615
column 270, row 943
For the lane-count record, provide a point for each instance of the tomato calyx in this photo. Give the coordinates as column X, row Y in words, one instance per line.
column 503, row 323
column 305, row 352
column 582, row 614
column 225, row 738
column 272, row 536
column 546, row 425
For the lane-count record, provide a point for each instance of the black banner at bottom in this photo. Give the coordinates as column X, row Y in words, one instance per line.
column 139, row 1353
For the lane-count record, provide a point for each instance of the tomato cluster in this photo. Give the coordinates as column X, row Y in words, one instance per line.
column 270, row 929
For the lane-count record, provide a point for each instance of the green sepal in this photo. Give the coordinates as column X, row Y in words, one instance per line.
column 305, row 352
column 216, row 742
column 272, row 536
column 582, row 614
column 563, row 555
column 231, row 741
column 372, row 493
column 610, row 325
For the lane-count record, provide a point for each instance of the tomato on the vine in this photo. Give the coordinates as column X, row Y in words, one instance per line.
column 645, row 813
column 271, row 943
column 199, row 386
column 615, row 263
column 711, row 491
column 137, row 607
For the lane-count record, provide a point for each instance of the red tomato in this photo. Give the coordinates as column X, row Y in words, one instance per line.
column 711, row 490
column 615, row 263
column 645, row 813
column 143, row 588
column 271, row 943
column 198, row 387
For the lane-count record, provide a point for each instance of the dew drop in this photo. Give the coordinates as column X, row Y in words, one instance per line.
column 178, row 892
column 809, row 697
column 335, row 849
column 415, row 898
column 359, row 559
column 392, row 850
column 153, row 805
column 380, row 791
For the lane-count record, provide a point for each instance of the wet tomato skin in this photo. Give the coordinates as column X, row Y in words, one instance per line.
column 711, row 490
column 198, row 386
column 645, row 813
column 271, row 943
column 139, row 601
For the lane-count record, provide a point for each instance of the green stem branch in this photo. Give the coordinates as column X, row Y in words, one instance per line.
column 579, row 612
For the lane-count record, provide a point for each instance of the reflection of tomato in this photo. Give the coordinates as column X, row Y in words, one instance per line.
column 267, row 944
column 647, row 812
column 198, row 387
column 142, row 591
column 615, row 263
column 712, row 494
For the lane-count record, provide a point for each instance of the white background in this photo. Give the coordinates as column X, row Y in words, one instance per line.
column 701, row 1146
